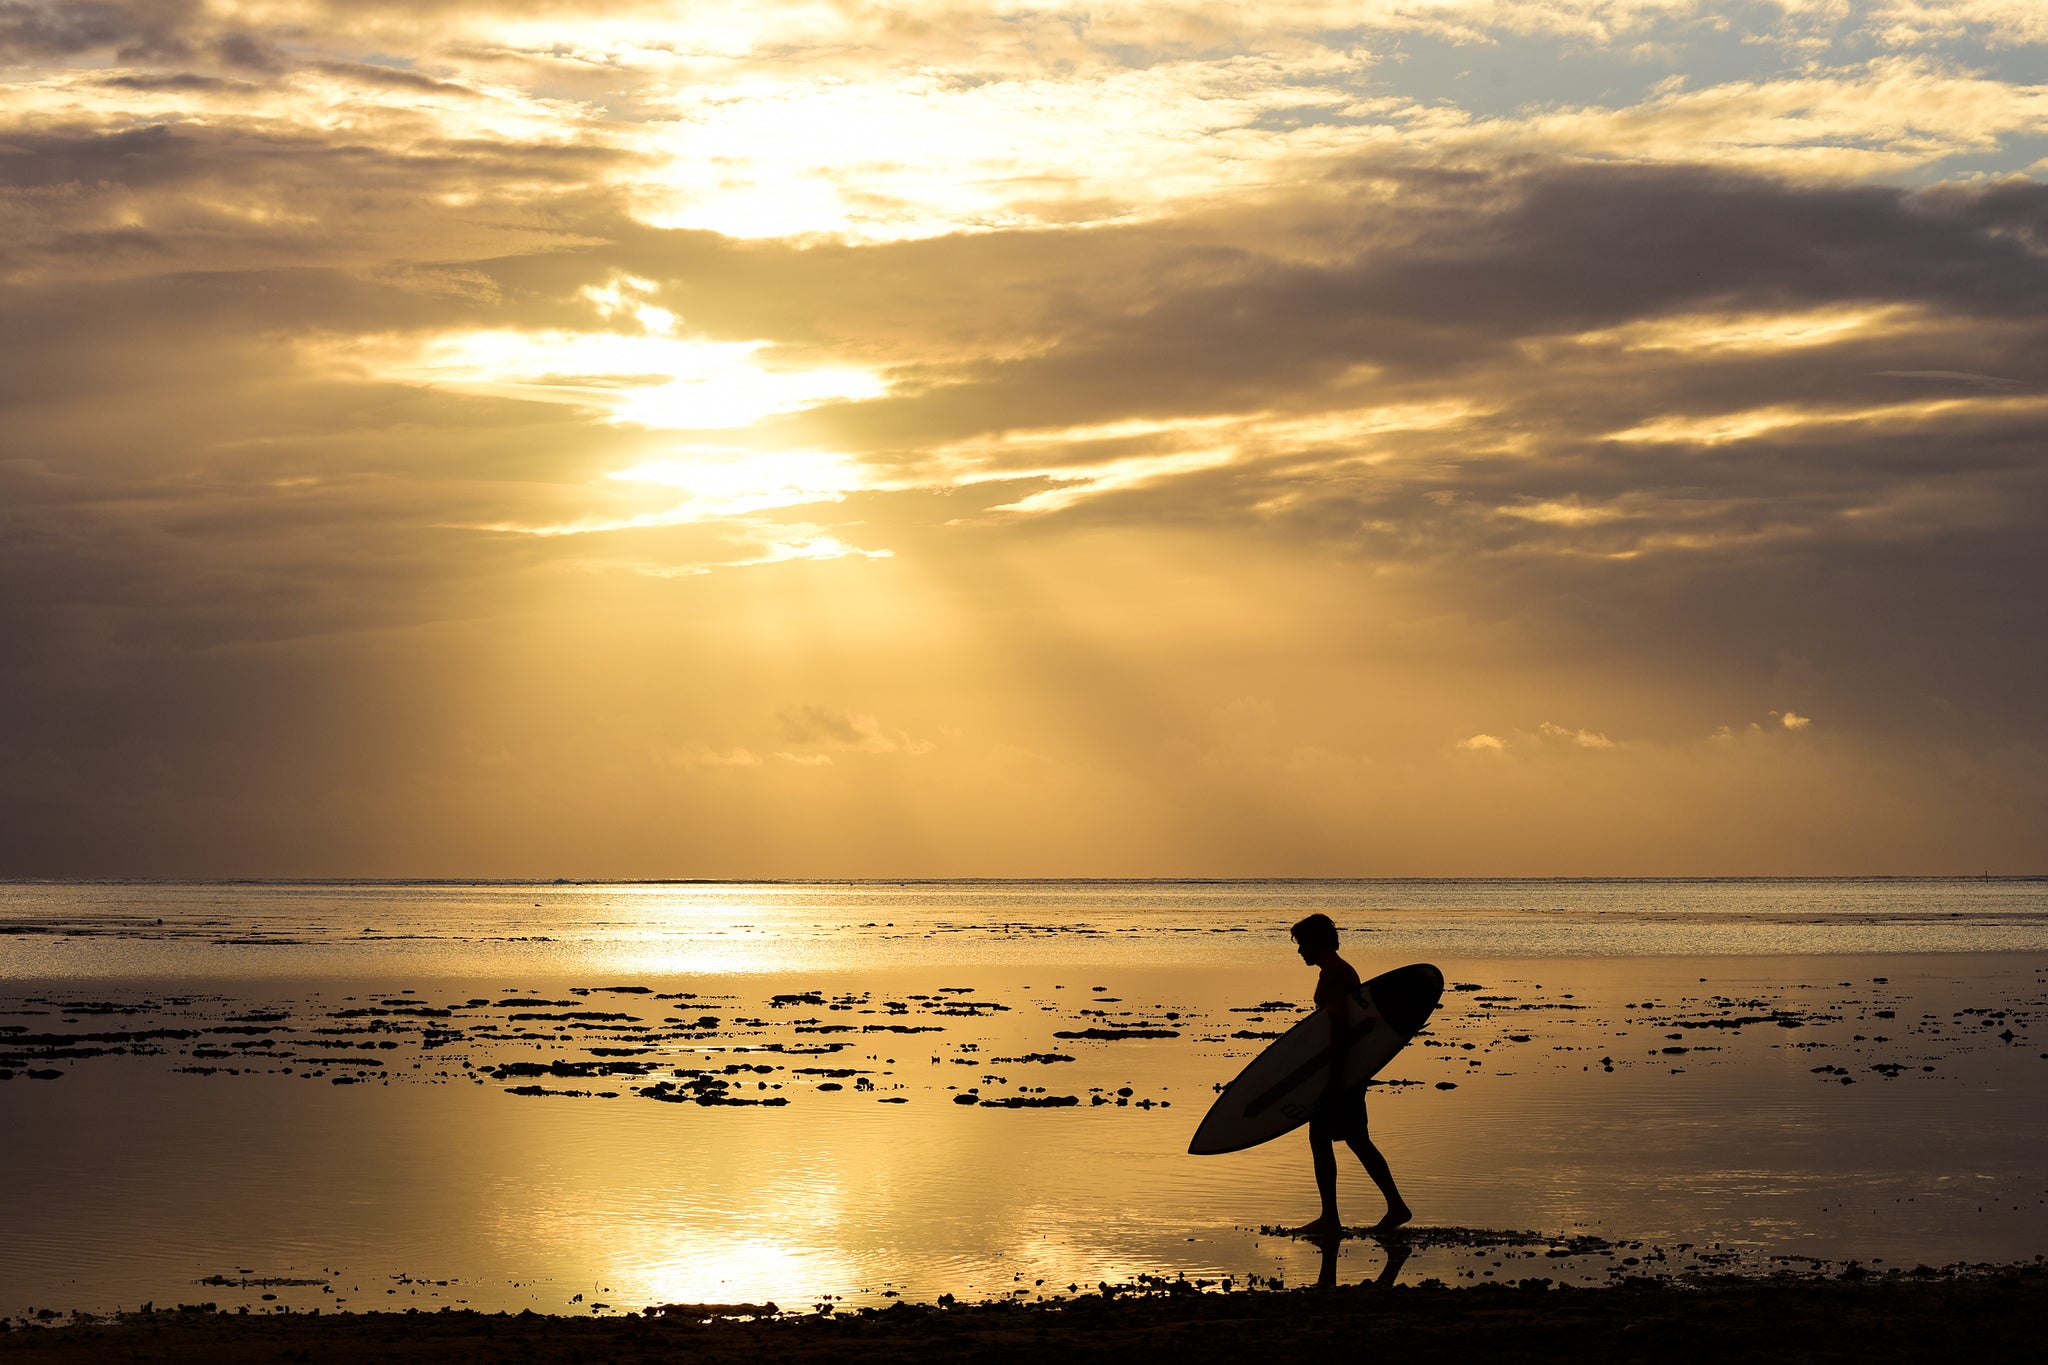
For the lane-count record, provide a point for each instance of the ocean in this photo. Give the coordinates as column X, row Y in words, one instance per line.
column 599, row 1097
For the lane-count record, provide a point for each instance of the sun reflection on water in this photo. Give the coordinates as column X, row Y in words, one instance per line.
column 750, row 1267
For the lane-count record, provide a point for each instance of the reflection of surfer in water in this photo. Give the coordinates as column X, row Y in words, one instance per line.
column 1340, row 1113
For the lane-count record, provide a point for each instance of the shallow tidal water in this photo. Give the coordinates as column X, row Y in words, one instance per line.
column 557, row 1097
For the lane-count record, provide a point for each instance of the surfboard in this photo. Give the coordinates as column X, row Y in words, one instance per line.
column 1277, row 1092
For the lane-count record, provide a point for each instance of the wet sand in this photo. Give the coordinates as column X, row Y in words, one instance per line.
column 1982, row 1316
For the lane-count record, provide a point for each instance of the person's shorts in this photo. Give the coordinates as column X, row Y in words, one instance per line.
column 1339, row 1119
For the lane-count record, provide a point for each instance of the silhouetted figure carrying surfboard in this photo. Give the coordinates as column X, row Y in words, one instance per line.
column 1340, row 1114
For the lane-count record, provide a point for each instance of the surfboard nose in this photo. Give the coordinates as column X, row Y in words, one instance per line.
column 1210, row 1138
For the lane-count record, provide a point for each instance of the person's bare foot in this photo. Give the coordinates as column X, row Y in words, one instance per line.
column 1325, row 1226
column 1396, row 1216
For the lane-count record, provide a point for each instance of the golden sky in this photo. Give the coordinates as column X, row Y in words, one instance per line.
column 1394, row 437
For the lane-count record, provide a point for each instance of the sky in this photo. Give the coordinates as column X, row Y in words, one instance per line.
column 1389, row 438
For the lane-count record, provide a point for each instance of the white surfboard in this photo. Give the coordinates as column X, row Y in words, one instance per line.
column 1278, row 1091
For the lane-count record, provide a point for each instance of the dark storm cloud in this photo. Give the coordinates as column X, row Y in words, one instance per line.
column 190, row 155
column 1571, row 249
column 394, row 78
column 165, row 197
column 135, row 29
column 181, row 81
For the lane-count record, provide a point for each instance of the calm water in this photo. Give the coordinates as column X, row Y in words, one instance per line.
column 450, row 1093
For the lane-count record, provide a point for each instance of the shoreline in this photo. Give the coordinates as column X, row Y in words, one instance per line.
column 1992, row 1313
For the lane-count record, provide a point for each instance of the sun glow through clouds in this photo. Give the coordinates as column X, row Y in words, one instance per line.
column 524, row 389
column 720, row 481
column 656, row 378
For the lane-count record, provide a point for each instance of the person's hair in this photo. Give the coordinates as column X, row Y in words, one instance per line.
column 1317, row 932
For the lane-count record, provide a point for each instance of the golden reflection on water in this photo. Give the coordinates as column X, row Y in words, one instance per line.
column 512, row 932
column 1698, row 1134
column 738, row 1270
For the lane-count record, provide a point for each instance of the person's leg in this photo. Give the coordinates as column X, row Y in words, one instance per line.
column 1324, row 1155
column 1361, row 1144
column 1398, row 1250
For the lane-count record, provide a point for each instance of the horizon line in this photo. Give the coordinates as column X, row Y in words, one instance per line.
column 980, row 880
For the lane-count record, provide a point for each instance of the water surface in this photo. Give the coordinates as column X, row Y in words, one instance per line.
column 491, row 1094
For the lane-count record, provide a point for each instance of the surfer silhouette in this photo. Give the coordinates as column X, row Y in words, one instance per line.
column 1340, row 1115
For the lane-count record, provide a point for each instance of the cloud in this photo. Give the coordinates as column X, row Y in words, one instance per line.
column 832, row 729
column 1985, row 381
column 773, row 545
column 139, row 29
column 419, row 371
column 2004, row 22
column 704, row 756
column 657, row 381
column 1885, row 117
column 1584, row 739
column 764, row 125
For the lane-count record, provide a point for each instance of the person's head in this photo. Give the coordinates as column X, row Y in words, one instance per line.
column 1315, row 936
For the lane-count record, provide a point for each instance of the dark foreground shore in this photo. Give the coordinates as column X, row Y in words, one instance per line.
column 1993, row 1317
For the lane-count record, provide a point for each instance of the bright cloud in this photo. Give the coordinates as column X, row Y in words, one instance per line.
column 1754, row 332
column 1584, row 739
column 925, row 154
column 660, row 382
